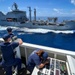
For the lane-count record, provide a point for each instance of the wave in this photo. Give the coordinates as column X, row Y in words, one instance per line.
column 44, row 31
column 5, row 27
column 2, row 28
column 38, row 30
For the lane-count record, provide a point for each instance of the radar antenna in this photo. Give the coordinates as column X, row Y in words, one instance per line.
column 14, row 6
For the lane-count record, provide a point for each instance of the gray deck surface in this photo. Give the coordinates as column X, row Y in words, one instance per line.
column 2, row 72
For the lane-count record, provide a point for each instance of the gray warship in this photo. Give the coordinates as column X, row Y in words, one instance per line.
column 19, row 18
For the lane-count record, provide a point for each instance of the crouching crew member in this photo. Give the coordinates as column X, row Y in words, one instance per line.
column 36, row 58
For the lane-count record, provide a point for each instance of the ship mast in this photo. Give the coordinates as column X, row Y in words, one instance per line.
column 29, row 13
column 34, row 14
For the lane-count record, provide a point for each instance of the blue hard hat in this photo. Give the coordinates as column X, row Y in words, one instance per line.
column 45, row 55
column 9, row 29
column 6, row 36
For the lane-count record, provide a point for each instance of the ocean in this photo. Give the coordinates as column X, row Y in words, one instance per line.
column 50, row 38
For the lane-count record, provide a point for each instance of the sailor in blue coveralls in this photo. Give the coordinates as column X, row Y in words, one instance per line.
column 7, row 50
column 9, row 30
column 13, row 37
column 35, row 59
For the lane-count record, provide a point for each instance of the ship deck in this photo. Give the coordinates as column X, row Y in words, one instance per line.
column 50, row 68
column 2, row 72
column 24, row 70
column 61, row 62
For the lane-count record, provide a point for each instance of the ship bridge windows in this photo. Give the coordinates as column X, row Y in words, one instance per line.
column 11, row 19
column 23, row 19
column 15, row 19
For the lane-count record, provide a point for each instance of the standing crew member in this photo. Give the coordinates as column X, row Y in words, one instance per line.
column 7, row 50
column 13, row 37
column 9, row 30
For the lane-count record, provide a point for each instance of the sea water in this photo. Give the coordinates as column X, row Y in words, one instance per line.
column 45, row 37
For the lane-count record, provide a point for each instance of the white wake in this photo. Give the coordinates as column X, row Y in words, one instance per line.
column 37, row 30
column 45, row 31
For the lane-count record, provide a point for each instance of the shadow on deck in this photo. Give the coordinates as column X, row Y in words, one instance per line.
column 2, row 72
column 24, row 70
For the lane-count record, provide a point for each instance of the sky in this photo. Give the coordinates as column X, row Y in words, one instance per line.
column 43, row 7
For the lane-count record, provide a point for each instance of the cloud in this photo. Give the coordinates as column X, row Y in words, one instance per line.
column 57, row 10
column 62, row 12
column 73, row 2
column 9, row 8
column 73, row 11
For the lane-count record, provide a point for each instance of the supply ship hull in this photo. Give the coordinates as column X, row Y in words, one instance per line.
column 68, row 26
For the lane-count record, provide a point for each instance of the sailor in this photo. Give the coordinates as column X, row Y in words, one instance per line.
column 9, row 30
column 35, row 59
column 13, row 37
column 7, row 50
